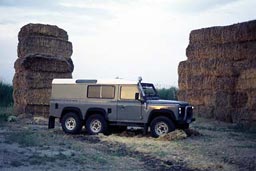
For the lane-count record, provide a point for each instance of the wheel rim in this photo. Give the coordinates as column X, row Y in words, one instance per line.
column 161, row 128
column 70, row 123
column 95, row 126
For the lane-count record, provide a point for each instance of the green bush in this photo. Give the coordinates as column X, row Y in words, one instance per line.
column 6, row 98
column 168, row 94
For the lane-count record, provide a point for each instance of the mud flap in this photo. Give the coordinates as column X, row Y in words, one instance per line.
column 51, row 123
column 145, row 129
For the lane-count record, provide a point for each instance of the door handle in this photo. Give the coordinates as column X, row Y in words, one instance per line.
column 122, row 106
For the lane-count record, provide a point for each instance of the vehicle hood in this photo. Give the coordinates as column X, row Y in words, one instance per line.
column 167, row 102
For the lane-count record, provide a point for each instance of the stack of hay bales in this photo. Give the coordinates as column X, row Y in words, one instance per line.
column 44, row 53
column 219, row 76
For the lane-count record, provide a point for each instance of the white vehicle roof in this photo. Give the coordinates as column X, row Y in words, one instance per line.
column 92, row 81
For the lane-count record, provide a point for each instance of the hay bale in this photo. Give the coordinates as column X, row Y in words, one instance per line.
column 239, row 99
column 32, row 96
column 174, row 135
column 42, row 30
column 247, row 79
column 43, row 54
column 219, row 77
column 44, row 45
column 225, row 34
column 43, row 63
column 230, row 51
column 37, row 110
column 36, row 80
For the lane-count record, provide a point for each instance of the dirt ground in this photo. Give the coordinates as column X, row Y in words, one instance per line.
column 211, row 145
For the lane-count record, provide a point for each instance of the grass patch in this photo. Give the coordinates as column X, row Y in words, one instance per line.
column 211, row 128
column 16, row 163
column 25, row 139
column 39, row 160
column 5, row 112
column 252, row 146
column 98, row 159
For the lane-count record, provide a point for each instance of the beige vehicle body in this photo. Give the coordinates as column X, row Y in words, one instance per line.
column 119, row 102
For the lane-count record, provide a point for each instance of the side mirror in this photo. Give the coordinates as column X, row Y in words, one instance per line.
column 137, row 96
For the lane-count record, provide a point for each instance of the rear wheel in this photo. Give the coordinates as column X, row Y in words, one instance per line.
column 160, row 126
column 71, row 123
column 96, row 124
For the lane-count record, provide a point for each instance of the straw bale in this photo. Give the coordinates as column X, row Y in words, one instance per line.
column 247, row 79
column 18, row 108
column 44, row 63
column 225, row 84
column 219, row 77
column 32, row 96
column 219, row 35
column 248, row 73
column 37, row 79
column 37, row 110
column 43, row 54
column 223, row 114
column 252, row 99
column 239, row 99
column 182, row 94
column 239, row 66
column 44, row 45
column 244, row 84
column 42, row 30
column 18, row 96
column 231, row 51
column 204, row 111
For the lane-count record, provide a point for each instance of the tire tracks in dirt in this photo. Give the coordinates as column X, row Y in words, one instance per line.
column 120, row 149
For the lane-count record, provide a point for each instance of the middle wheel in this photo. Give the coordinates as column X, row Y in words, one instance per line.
column 95, row 124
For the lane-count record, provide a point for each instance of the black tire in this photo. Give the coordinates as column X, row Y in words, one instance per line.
column 96, row 124
column 71, row 123
column 161, row 125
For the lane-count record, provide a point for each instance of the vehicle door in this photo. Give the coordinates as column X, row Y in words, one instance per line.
column 128, row 108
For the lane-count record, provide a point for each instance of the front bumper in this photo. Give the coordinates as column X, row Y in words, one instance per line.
column 186, row 115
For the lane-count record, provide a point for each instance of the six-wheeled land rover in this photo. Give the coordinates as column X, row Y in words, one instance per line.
column 104, row 105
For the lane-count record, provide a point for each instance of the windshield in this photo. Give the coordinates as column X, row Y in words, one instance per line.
column 149, row 91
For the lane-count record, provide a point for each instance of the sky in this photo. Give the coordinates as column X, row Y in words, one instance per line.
column 120, row 38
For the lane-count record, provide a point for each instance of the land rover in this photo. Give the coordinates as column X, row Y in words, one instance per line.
column 104, row 105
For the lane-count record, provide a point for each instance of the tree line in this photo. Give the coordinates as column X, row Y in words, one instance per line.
column 6, row 98
column 168, row 93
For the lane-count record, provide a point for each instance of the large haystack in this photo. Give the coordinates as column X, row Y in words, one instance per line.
column 219, row 76
column 43, row 54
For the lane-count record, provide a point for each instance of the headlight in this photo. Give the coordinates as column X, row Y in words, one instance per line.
column 180, row 110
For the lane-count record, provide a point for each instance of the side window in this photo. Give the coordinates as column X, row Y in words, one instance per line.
column 128, row 92
column 108, row 92
column 101, row 91
column 93, row 91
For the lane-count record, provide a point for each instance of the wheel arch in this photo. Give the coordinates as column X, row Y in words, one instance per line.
column 71, row 109
column 94, row 110
column 161, row 112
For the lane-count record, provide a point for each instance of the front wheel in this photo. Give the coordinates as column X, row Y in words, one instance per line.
column 160, row 126
column 96, row 124
column 71, row 123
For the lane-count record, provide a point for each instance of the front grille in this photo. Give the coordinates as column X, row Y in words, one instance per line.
column 189, row 115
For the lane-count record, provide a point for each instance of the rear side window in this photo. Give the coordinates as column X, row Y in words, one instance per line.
column 101, row 91
column 93, row 91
